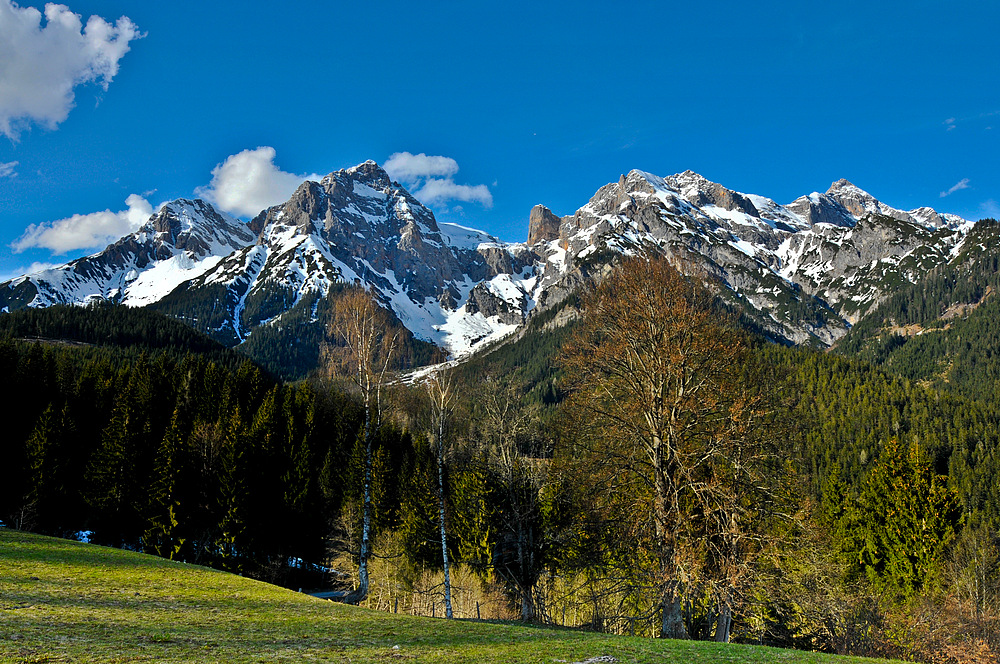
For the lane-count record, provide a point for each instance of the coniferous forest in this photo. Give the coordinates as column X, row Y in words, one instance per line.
column 626, row 472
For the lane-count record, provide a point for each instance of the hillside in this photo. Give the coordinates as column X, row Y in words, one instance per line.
column 108, row 325
column 64, row 600
column 945, row 329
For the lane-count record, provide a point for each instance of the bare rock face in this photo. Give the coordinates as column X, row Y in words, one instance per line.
column 482, row 300
column 543, row 225
column 701, row 192
column 821, row 209
column 498, row 259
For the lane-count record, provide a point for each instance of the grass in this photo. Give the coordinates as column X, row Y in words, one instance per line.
column 63, row 601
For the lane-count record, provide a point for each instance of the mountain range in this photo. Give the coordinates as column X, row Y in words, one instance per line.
column 804, row 272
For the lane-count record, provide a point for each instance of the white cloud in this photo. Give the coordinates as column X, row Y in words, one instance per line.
column 431, row 179
column 435, row 192
column 949, row 123
column 22, row 271
column 961, row 184
column 7, row 170
column 40, row 65
column 406, row 167
column 248, row 182
column 85, row 231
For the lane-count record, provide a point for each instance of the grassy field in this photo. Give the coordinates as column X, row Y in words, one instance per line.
column 62, row 601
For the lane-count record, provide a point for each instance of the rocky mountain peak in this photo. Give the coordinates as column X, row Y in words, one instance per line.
column 543, row 225
column 631, row 182
column 690, row 179
column 843, row 185
column 179, row 215
column 860, row 203
column 369, row 173
column 195, row 226
column 701, row 191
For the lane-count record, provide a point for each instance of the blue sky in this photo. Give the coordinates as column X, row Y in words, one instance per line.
column 525, row 102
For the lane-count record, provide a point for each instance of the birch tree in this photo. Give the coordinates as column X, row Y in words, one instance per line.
column 363, row 329
column 441, row 391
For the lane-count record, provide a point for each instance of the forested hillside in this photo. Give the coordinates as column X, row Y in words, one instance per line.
column 945, row 329
column 177, row 456
column 111, row 326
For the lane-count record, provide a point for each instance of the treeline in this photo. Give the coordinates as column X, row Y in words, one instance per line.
column 179, row 457
column 288, row 347
column 945, row 329
column 528, row 360
column 964, row 280
column 113, row 325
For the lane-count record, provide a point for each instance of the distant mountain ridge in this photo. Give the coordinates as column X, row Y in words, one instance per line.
column 805, row 272
column 180, row 241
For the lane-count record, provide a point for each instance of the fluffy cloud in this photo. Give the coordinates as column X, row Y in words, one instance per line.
column 40, row 65
column 961, row 184
column 7, row 170
column 434, row 192
column 406, row 167
column 248, row 182
column 431, row 179
column 85, row 231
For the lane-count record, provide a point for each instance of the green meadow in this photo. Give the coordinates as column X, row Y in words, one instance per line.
column 64, row 601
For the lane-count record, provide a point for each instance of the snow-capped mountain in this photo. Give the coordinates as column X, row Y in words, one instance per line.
column 447, row 284
column 182, row 240
column 804, row 271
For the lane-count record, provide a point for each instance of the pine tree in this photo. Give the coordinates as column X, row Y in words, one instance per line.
column 163, row 534
column 907, row 517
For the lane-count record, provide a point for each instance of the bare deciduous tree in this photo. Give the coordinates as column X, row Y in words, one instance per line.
column 368, row 343
column 441, row 391
column 660, row 381
column 505, row 422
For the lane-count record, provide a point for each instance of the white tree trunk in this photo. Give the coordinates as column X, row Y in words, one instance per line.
column 444, row 532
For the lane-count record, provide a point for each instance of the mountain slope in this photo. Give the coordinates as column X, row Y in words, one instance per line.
column 945, row 328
